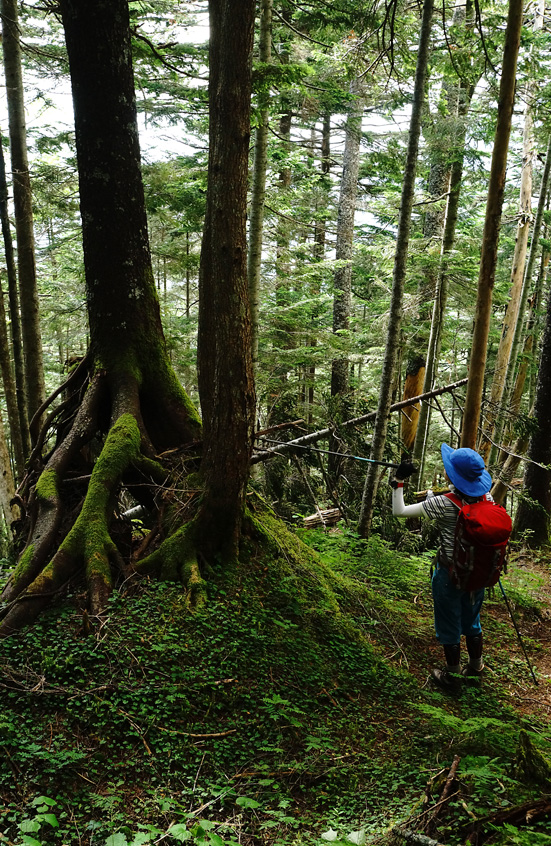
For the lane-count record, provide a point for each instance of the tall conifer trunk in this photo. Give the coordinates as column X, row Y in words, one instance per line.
column 513, row 312
column 345, row 236
column 22, row 197
column 496, row 187
column 20, row 420
column 400, row 260
column 226, row 382
column 258, row 188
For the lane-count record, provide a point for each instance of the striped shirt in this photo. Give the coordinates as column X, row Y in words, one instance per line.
column 439, row 508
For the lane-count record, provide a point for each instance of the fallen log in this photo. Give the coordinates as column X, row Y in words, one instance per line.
column 313, row 437
column 327, row 517
column 525, row 814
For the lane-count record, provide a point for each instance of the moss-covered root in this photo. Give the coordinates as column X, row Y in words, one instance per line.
column 531, row 764
column 88, row 543
column 176, row 560
column 45, row 504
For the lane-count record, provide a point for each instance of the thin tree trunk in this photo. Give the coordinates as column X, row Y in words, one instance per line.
column 280, row 406
column 513, row 392
column 345, row 237
column 7, row 487
column 486, row 278
column 400, row 260
column 10, row 392
column 441, row 292
column 501, row 485
column 22, row 197
column 513, row 314
column 320, row 228
column 258, row 189
column 532, row 333
column 15, row 319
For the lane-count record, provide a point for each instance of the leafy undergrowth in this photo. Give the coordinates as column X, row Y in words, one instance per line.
column 292, row 709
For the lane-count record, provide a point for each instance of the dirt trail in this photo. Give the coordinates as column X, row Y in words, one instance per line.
column 535, row 630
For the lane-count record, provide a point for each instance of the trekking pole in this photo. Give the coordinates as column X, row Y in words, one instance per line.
column 518, row 633
column 330, row 452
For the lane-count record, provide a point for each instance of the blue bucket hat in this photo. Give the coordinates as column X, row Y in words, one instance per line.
column 466, row 471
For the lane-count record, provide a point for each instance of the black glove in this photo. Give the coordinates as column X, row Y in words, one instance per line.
column 405, row 470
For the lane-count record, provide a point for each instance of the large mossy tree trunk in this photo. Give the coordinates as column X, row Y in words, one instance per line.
column 123, row 405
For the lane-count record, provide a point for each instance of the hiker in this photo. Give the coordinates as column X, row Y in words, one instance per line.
column 456, row 611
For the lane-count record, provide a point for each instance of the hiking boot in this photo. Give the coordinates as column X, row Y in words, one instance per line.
column 472, row 675
column 450, row 682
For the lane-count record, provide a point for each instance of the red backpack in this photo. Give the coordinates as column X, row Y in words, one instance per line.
column 480, row 545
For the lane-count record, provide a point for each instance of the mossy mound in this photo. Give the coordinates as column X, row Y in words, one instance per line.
column 276, row 711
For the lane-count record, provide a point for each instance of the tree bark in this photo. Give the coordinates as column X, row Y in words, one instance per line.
column 226, row 383
column 258, row 188
column 486, row 278
column 345, row 236
column 7, row 487
column 22, row 197
column 400, row 259
column 534, row 511
column 513, row 313
column 10, row 392
column 413, row 386
column 21, row 420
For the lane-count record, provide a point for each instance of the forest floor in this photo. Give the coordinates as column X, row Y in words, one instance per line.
column 294, row 709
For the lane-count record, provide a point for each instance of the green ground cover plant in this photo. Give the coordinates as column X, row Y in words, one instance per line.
column 290, row 709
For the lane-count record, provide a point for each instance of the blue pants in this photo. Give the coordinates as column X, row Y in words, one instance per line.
column 456, row 612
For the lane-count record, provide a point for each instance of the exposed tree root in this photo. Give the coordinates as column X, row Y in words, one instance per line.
column 72, row 503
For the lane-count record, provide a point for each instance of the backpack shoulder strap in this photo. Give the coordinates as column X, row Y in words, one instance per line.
column 455, row 499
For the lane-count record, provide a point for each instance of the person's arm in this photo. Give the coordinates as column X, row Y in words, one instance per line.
column 400, row 509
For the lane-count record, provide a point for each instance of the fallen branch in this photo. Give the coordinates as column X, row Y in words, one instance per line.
column 313, row 437
column 279, row 426
column 192, row 734
column 430, row 825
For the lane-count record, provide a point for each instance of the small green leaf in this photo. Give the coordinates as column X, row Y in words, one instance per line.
column 142, row 837
column 116, row 840
column 246, row 802
column 44, row 800
column 29, row 825
column 180, row 832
